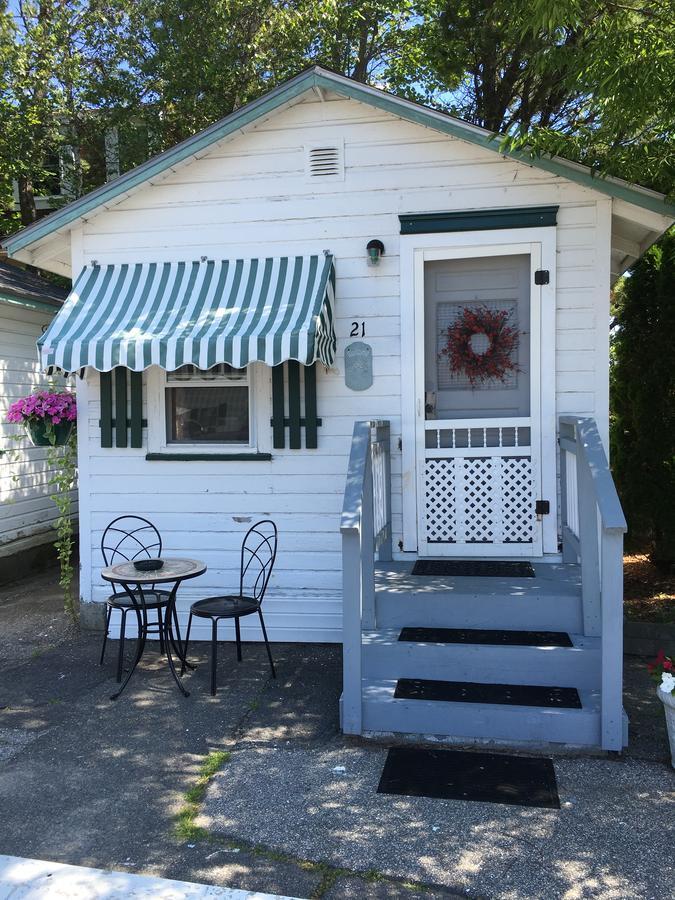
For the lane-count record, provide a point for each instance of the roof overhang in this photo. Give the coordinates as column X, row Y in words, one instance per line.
column 46, row 243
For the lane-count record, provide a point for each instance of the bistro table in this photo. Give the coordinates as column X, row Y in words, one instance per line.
column 132, row 580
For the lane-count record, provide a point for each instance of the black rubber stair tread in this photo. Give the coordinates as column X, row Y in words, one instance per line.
column 473, row 568
column 477, row 692
column 486, row 636
column 464, row 775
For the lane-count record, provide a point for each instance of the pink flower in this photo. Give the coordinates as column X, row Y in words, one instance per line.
column 51, row 406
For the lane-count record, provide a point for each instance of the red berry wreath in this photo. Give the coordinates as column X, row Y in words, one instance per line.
column 502, row 342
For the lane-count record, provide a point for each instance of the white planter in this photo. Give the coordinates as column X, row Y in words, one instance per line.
column 668, row 701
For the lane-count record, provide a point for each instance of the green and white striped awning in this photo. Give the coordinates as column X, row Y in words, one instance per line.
column 204, row 313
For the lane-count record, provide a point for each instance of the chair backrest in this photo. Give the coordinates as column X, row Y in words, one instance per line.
column 130, row 537
column 258, row 552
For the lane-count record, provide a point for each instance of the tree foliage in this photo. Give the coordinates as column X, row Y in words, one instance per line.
column 643, row 398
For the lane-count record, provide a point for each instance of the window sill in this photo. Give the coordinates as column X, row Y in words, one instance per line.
column 210, row 457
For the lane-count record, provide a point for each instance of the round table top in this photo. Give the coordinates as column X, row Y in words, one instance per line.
column 173, row 570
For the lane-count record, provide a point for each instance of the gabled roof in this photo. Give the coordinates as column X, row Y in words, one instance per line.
column 323, row 79
column 22, row 288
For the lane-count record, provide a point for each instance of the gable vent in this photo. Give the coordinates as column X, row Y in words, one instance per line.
column 324, row 161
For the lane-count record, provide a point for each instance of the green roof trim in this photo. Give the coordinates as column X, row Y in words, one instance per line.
column 29, row 304
column 479, row 220
column 318, row 77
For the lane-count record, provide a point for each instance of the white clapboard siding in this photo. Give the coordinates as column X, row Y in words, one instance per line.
column 250, row 196
column 26, row 511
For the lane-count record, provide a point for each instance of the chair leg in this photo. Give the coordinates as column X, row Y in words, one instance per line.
column 237, row 632
column 120, row 653
column 105, row 635
column 214, row 654
column 185, row 646
column 160, row 629
column 267, row 644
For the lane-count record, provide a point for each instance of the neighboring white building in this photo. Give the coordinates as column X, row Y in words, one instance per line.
column 248, row 243
column 27, row 306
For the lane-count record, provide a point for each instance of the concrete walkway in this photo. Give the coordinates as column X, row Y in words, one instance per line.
column 90, row 782
column 35, row 879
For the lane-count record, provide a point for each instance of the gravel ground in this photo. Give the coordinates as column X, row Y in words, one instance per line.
column 608, row 840
column 90, row 782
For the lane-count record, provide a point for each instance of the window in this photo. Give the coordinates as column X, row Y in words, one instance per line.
column 207, row 407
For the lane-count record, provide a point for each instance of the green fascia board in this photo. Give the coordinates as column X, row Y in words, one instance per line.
column 431, row 118
column 479, row 220
column 322, row 78
column 10, row 300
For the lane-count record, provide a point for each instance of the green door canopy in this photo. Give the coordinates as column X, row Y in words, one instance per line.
column 203, row 313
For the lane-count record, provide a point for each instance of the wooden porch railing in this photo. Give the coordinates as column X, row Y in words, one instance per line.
column 366, row 529
column 593, row 526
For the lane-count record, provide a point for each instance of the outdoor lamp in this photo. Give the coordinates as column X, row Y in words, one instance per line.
column 375, row 250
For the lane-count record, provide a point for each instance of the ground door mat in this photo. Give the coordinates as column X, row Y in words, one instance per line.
column 476, row 692
column 486, row 636
column 464, row 775
column 479, row 568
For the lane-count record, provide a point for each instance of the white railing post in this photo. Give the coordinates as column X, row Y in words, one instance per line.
column 589, row 552
column 594, row 525
column 611, row 641
column 351, row 631
column 367, row 549
column 367, row 506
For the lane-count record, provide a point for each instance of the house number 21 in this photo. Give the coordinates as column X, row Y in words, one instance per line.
column 358, row 329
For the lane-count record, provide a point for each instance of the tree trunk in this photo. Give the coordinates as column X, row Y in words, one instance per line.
column 26, row 200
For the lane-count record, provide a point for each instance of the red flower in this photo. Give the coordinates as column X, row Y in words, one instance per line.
column 667, row 665
column 660, row 657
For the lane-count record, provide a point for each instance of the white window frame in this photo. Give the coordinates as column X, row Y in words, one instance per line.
column 259, row 411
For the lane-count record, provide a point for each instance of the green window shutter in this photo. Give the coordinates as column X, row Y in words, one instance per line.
column 136, row 403
column 294, row 437
column 311, row 437
column 295, row 421
column 106, row 409
column 120, row 407
column 278, row 408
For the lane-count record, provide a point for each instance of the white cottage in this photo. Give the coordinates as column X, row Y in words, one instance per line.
column 27, row 306
column 332, row 289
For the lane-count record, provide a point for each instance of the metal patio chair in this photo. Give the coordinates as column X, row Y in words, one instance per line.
column 258, row 553
column 128, row 538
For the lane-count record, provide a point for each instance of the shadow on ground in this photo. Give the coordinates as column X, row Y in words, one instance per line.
column 88, row 781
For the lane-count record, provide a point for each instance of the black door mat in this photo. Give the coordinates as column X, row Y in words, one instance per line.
column 464, row 775
column 476, row 692
column 467, row 568
column 486, row 636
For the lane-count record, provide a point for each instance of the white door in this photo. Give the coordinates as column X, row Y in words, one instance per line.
column 478, row 443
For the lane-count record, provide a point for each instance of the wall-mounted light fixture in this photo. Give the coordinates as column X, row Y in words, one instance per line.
column 375, row 250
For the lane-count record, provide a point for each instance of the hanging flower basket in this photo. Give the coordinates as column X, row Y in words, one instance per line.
column 481, row 345
column 48, row 417
column 44, row 434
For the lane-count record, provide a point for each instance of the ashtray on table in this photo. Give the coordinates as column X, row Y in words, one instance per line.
column 148, row 565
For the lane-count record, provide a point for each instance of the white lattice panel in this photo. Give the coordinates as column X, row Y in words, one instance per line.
column 479, row 489
column 517, row 499
column 479, row 500
column 439, row 490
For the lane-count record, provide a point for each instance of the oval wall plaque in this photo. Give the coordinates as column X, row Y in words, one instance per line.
column 358, row 366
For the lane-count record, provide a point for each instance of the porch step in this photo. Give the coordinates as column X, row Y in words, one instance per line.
column 551, row 601
column 385, row 656
column 383, row 712
column 552, row 697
